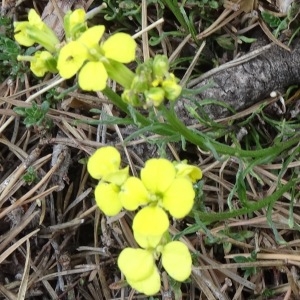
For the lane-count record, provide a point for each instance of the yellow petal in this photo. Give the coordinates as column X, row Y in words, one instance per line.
column 21, row 35
column 157, row 175
column 133, row 194
column 148, row 286
column 77, row 17
column 93, row 76
column 177, row 261
column 130, row 261
column 91, row 37
column 179, row 198
column 120, row 47
column 149, row 225
column 107, row 198
column 104, row 161
column 70, row 59
column 34, row 19
column 118, row 177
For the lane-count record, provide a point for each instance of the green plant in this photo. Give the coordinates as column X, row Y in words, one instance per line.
column 156, row 195
column 30, row 176
column 36, row 115
column 9, row 65
column 249, row 271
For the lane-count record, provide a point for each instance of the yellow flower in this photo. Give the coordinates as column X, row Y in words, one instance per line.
column 149, row 225
column 35, row 31
column 105, row 164
column 107, row 198
column 184, row 170
column 179, row 198
column 42, row 62
column 177, row 261
column 93, row 75
column 71, row 58
column 163, row 186
column 157, row 175
column 130, row 261
column 133, row 194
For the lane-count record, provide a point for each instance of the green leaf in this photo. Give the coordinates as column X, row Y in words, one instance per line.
column 225, row 42
column 246, row 39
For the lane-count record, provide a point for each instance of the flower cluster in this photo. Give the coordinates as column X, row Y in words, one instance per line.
column 81, row 53
column 163, row 187
column 152, row 84
column 84, row 53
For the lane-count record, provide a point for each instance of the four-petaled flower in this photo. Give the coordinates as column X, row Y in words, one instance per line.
column 92, row 60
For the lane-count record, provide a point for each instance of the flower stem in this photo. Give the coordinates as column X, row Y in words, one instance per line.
column 141, row 121
column 206, row 143
column 119, row 72
column 210, row 217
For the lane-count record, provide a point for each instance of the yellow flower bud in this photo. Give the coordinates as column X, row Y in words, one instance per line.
column 171, row 88
column 154, row 96
column 74, row 23
column 177, row 260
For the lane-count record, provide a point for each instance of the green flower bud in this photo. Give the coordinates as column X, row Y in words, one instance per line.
column 130, row 97
column 160, row 66
column 140, row 83
column 154, row 96
column 145, row 68
column 43, row 62
column 74, row 23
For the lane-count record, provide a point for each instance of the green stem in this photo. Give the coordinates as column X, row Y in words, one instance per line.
column 207, row 143
column 164, row 129
column 210, row 217
column 119, row 72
